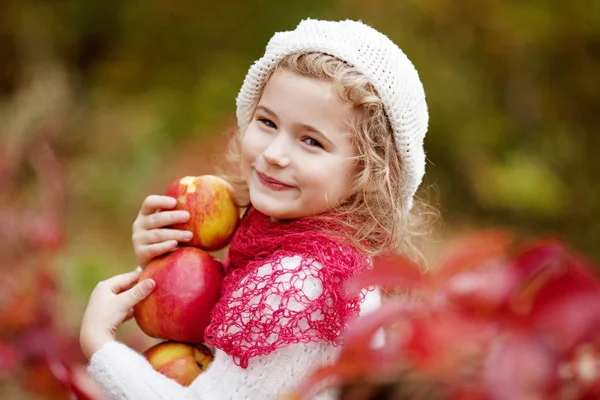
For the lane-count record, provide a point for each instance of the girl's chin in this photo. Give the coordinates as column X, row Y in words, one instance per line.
column 280, row 208
column 277, row 210
column 280, row 212
column 271, row 211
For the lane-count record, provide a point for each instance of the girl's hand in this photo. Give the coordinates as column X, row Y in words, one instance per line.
column 150, row 239
column 111, row 303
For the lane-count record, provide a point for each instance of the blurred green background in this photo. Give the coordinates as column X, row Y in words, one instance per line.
column 133, row 94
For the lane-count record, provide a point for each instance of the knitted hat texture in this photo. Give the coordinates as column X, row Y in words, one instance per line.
column 373, row 54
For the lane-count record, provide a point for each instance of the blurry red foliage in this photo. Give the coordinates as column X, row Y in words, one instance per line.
column 35, row 350
column 494, row 319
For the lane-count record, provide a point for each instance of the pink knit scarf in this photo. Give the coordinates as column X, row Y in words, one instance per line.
column 266, row 303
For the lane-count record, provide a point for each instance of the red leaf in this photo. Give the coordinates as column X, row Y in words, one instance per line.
column 567, row 321
column 469, row 253
column 482, row 291
column 549, row 264
column 443, row 342
column 519, row 366
column 559, row 295
column 389, row 271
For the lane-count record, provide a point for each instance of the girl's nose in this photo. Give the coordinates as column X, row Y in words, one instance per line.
column 278, row 151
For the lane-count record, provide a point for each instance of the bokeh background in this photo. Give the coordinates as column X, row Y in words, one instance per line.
column 105, row 102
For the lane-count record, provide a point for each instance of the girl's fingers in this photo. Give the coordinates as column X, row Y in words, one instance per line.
column 164, row 218
column 154, row 203
column 119, row 283
column 138, row 293
column 162, row 235
column 153, row 250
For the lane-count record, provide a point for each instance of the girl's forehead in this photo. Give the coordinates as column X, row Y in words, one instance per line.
column 307, row 97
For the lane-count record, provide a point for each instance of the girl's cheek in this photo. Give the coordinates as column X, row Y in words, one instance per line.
column 254, row 145
column 247, row 145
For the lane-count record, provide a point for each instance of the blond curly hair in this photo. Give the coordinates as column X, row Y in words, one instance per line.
column 378, row 220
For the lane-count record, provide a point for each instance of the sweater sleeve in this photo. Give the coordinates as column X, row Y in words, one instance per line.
column 125, row 374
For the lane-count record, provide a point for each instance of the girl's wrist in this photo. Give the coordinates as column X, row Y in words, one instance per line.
column 92, row 345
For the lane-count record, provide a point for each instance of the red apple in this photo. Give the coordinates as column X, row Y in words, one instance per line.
column 179, row 361
column 188, row 285
column 214, row 214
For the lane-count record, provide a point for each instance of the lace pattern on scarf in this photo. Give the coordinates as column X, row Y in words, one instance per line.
column 284, row 286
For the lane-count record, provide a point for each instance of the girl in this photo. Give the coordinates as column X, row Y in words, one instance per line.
column 331, row 125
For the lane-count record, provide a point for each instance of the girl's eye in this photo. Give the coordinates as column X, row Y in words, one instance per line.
column 312, row 142
column 267, row 122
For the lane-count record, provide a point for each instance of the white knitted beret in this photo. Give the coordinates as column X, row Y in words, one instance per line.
column 375, row 56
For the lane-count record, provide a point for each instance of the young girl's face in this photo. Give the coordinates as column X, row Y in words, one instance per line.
column 297, row 154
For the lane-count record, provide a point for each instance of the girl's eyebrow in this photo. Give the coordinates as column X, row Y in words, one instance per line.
column 265, row 109
column 303, row 126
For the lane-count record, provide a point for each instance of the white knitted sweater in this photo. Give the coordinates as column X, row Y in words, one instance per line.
column 125, row 374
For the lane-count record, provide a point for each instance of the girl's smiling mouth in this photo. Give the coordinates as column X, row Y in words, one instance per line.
column 272, row 183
